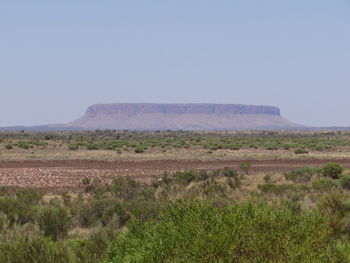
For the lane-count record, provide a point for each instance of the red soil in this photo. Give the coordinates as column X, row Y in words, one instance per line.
column 67, row 175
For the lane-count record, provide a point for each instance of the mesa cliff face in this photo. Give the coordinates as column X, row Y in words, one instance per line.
column 147, row 108
column 149, row 116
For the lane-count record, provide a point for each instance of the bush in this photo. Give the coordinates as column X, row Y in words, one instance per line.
column 22, row 246
column 53, row 221
column 19, row 207
column 227, row 172
column 23, row 145
column 234, row 147
column 267, row 178
column 245, row 167
column 300, row 151
column 185, row 177
column 73, row 147
column 125, row 188
column 275, row 188
column 302, row 175
column 324, row 184
column 91, row 146
column 248, row 232
column 332, row 170
column 345, row 182
column 9, row 146
column 139, row 149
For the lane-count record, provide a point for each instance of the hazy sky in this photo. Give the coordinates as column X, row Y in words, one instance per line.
column 58, row 57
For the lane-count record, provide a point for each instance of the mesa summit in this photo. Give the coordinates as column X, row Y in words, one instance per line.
column 184, row 116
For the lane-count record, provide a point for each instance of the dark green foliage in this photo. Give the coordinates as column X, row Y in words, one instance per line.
column 128, row 217
column 267, row 178
column 302, row 175
column 245, row 167
column 248, row 232
column 53, row 220
column 139, row 149
column 345, row 182
column 324, row 184
column 279, row 189
column 91, row 146
column 332, row 170
column 228, row 172
column 19, row 206
column 23, row 246
column 23, row 144
column 301, row 143
column 337, row 211
column 73, row 147
column 185, row 177
column 9, row 146
column 301, row 151
column 94, row 247
column 125, row 188
column 234, row 147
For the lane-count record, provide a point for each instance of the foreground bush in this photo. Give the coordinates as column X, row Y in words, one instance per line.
column 199, row 232
column 302, row 174
column 332, row 170
column 324, row 184
column 20, row 245
column 345, row 182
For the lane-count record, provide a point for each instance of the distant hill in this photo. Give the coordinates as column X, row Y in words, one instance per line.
column 149, row 116
column 201, row 116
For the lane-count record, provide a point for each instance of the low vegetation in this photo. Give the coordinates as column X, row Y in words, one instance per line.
column 188, row 216
column 296, row 143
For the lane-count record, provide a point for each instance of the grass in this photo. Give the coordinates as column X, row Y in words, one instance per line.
column 224, row 215
column 127, row 145
column 184, row 216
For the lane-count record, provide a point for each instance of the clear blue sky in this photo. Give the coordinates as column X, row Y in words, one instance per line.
column 58, row 57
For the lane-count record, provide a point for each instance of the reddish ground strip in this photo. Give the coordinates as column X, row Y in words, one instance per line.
column 67, row 175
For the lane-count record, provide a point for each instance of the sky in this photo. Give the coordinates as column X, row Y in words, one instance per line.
column 59, row 57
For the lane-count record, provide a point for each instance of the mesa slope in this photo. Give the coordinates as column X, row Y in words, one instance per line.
column 149, row 116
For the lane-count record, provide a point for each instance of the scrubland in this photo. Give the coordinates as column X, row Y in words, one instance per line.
column 233, row 213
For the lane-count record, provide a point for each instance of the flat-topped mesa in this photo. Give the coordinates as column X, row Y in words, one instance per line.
column 200, row 108
column 201, row 116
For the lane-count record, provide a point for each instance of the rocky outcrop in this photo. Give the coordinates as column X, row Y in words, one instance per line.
column 149, row 108
column 149, row 116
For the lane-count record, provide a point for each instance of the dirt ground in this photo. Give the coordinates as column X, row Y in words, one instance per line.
column 67, row 175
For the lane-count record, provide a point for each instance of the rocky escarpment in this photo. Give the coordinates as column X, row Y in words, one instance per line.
column 149, row 116
column 147, row 108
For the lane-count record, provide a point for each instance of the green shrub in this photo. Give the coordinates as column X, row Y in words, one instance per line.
column 9, row 146
column 102, row 210
column 227, row 172
column 23, row 145
column 345, row 182
column 272, row 147
column 19, row 206
column 73, row 147
column 139, row 149
column 301, row 175
column 300, row 151
column 245, row 167
column 287, row 147
column 248, row 232
column 53, row 220
column 22, row 246
column 267, row 178
column 93, row 248
column 91, row 146
column 332, row 170
column 234, row 147
column 123, row 187
column 324, row 184
column 185, row 177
